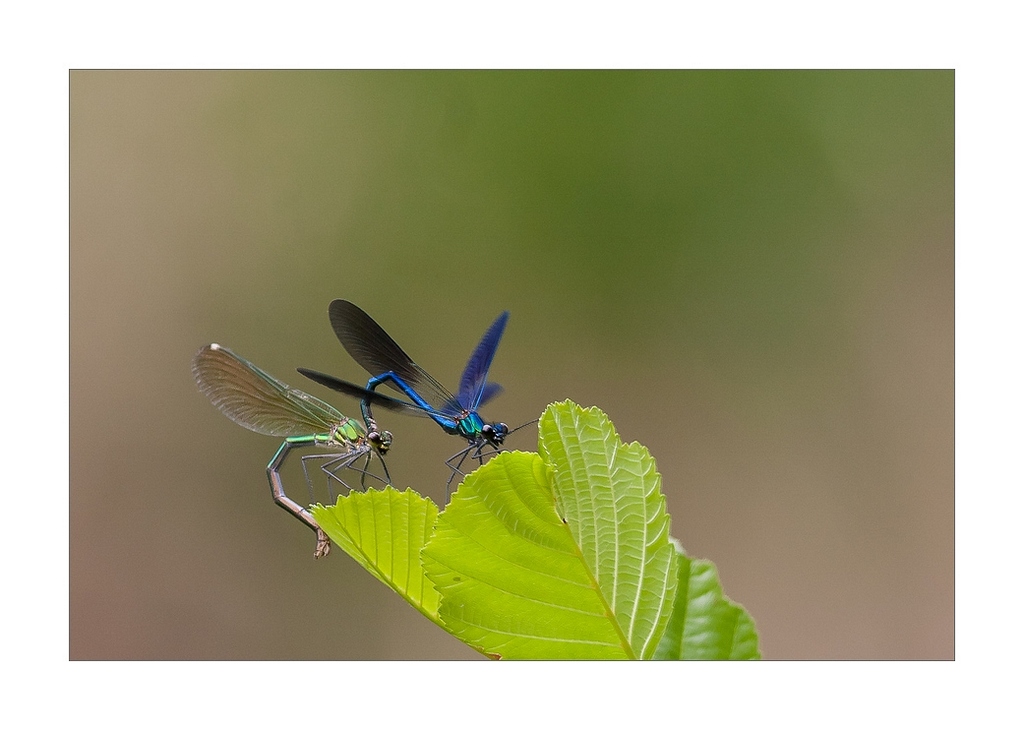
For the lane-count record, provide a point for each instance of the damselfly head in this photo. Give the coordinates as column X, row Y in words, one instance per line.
column 495, row 433
column 380, row 440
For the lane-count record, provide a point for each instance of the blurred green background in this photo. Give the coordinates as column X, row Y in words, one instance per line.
column 750, row 272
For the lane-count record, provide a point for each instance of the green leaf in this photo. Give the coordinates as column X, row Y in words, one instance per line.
column 563, row 554
column 512, row 581
column 563, row 561
column 384, row 530
column 610, row 495
column 705, row 624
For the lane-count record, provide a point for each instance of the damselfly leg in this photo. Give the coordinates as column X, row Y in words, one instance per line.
column 334, row 464
column 477, row 451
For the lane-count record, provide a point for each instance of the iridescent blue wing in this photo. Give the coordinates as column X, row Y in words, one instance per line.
column 372, row 347
column 474, row 377
column 490, row 390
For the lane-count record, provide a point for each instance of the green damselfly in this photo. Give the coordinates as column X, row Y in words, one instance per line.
column 258, row 401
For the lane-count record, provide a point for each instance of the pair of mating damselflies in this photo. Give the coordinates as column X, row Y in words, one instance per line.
column 260, row 402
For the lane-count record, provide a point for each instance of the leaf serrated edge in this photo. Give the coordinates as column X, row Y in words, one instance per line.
column 555, row 416
column 371, row 565
column 703, row 574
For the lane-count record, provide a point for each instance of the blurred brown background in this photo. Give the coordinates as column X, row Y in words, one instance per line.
column 750, row 272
